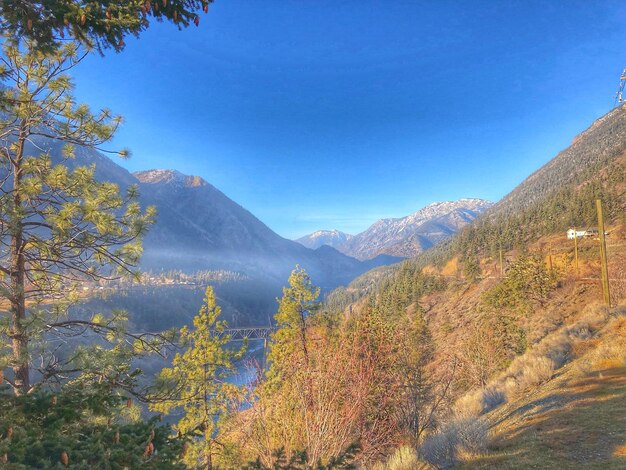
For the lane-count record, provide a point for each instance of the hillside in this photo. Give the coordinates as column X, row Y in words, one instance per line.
column 559, row 195
column 556, row 197
column 539, row 362
column 575, row 419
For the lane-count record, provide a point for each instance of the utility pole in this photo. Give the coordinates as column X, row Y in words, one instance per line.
column 603, row 257
column 576, row 251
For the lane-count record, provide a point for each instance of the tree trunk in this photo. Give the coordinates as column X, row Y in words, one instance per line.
column 19, row 337
column 208, row 459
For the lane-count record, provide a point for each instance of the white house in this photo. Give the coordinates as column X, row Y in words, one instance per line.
column 572, row 233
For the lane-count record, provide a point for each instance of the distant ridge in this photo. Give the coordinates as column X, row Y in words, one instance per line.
column 334, row 238
column 169, row 177
column 406, row 236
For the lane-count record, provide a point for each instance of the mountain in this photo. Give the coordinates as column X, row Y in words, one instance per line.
column 199, row 228
column 594, row 151
column 559, row 195
column 407, row 236
column 540, row 353
column 334, row 238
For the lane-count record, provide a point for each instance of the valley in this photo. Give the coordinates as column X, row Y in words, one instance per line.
column 457, row 300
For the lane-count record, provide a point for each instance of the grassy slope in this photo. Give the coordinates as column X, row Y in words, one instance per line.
column 577, row 420
column 452, row 313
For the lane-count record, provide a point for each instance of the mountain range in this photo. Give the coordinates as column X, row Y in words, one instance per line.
column 199, row 228
column 403, row 237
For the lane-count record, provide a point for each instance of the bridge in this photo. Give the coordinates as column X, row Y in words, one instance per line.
column 250, row 333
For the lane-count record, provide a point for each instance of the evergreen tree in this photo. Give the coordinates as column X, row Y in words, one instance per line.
column 99, row 23
column 528, row 281
column 289, row 348
column 415, row 352
column 82, row 428
column 58, row 228
column 197, row 384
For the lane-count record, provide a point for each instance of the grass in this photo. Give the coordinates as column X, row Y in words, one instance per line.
column 576, row 421
column 573, row 415
column 404, row 458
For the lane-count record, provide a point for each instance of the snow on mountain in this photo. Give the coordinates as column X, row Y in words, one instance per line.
column 169, row 177
column 332, row 238
column 410, row 235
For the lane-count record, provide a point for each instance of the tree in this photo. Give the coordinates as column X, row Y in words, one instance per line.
column 415, row 352
column 471, row 268
column 309, row 404
column 197, row 380
column 528, row 281
column 82, row 427
column 58, row 228
column 94, row 23
column 289, row 348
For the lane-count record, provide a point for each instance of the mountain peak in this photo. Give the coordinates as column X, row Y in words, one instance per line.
column 466, row 203
column 333, row 238
column 333, row 232
column 407, row 236
column 173, row 177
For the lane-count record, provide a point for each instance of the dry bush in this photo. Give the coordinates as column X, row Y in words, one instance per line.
column 535, row 371
column 469, row 405
column 609, row 355
column 441, row 449
column 611, row 352
column 492, row 398
column 594, row 316
column 457, row 440
column 404, row 458
column 479, row 402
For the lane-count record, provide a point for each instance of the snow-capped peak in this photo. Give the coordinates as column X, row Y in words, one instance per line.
column 162, row 176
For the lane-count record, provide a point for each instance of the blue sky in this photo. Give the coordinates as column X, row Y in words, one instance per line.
column 332, row 114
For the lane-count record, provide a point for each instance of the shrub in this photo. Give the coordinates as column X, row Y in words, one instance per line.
column 469, row 405
column 455, row 441
column 479, row 402
column 612, row 351
column 473, row 436
column 404, row 458
column 492, row 397
column 536, row 371
column 441, row 449
column 528, row 281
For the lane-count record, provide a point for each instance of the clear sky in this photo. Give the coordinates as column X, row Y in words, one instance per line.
column 331, row 114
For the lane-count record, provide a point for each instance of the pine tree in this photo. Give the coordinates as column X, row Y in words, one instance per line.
column 58, row 228
column 82, row 427
column 197, row 384
column 289, row 348
column 99, row 23
column 418, row 408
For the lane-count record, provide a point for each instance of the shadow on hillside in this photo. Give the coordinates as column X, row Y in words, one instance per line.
column 582, row 425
